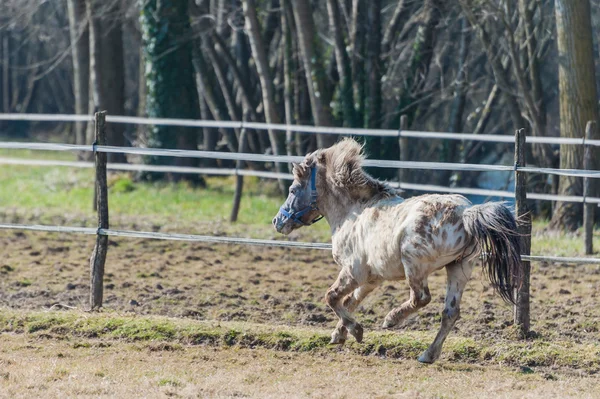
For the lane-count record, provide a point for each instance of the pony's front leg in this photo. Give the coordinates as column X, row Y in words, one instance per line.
column 343, row 286
column 458, row 276
column 351, row 302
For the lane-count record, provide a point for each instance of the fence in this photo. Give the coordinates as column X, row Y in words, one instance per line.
column 100, row 150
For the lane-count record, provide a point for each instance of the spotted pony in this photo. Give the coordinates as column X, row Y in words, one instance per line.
column 378, row 236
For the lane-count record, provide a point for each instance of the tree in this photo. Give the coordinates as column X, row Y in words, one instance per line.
column 578, row 98
column 171, row 88
column 259, row 53
column 314, row 70
column 107, row 66
column 80, row 50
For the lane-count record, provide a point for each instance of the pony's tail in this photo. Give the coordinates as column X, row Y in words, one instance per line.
column 494, row 228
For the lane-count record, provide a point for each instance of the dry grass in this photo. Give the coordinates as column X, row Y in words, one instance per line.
column 38, row 367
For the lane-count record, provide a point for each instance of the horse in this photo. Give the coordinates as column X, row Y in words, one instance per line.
column 378, row 236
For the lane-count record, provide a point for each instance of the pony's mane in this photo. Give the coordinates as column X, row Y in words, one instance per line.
column 343, row 165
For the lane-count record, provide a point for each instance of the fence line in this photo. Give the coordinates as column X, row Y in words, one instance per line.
column 149, row 168
column 99, row 254
column 286, row 159
column 497, row 138
column 287, row 176
column 239, row 240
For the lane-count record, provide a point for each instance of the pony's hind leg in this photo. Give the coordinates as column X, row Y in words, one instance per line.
column 458, row 276
column 343, row 286
column 419, row 297
column 351, row 301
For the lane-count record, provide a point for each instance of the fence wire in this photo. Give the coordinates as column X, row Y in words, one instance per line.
column 497, row 138
column 239, row 240
column 287, row 176
column 287, row 159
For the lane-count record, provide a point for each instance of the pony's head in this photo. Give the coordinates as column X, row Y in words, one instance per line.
column 337, row 173
column 300, row 208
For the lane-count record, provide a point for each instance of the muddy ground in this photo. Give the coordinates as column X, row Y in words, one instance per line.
column 269, row 285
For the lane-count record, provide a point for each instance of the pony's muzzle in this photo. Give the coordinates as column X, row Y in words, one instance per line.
column 280, row 222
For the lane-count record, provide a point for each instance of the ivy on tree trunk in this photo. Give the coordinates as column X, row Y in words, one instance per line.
column 171, row 88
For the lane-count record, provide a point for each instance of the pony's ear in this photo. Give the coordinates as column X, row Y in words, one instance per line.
column 294, row 165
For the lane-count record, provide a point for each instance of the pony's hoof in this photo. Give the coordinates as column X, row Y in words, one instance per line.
column 357, row 332
column 387, row 324
column 426, row 358
column 338, row 337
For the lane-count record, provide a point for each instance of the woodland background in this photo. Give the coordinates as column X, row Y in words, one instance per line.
column 476, row 66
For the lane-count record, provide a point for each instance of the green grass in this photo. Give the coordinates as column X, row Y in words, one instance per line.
column 172, row 333
column 68, row 191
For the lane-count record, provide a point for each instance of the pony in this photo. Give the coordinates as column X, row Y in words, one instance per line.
column 377, row 236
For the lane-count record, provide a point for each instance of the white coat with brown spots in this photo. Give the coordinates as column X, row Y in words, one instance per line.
column 378, row 236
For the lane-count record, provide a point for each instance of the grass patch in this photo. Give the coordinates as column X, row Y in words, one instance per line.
column 51, row 191
column 169, row 334
column 25, row 282
column 169, row 382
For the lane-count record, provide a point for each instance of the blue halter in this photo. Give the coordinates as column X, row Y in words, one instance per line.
column 295, row 216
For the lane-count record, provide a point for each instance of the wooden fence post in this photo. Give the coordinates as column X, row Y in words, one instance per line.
column 99, row 255
column 239, row 179
column 403, row 173
column 522, row 318
column 588, row 209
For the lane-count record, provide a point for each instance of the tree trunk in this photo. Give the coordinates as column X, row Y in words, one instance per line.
column 376, row 147
column 421, row 57
column 261, row 61
column 5, row 73
column 169, row 78
column 373, row 66
column 500, row 73
column 540, row 151
column 107, row 68
column 212, row 101
column 578, row 99
column 400, row 12
column 287, row 75
column 357, row 51
column 344, row 67
column 313, row 68
column 80, row 50
column 458, row 103
column 239, row 79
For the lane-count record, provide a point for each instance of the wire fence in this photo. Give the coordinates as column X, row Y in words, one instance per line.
column 496, row 138
column 241, row 240
column 287, row 159
column 100, row 150
column 127, row 167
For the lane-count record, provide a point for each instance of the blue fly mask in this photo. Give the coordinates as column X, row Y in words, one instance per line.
column 294, row 209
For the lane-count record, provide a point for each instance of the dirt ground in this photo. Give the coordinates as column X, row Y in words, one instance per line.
column 269, row 285
column 272, row 286
column 58, row 369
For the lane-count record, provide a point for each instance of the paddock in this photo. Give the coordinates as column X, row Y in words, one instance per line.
column 265, row 302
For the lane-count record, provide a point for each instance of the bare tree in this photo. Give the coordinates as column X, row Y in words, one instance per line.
column 80, row 48
column 313, row 68
column 259, row 53
column 107, row 69
column 578, row 98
